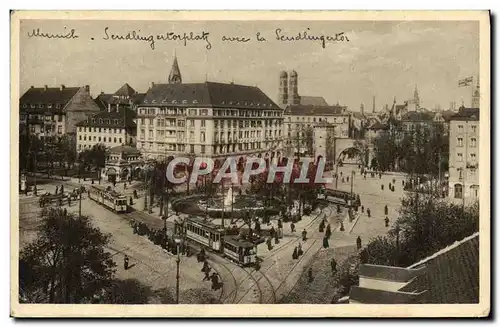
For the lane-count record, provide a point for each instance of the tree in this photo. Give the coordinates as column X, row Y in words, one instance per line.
column 129, row 291
column 67, row 263
column 97, row 157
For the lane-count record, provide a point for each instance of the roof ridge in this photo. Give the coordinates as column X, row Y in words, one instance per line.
column 444, row 250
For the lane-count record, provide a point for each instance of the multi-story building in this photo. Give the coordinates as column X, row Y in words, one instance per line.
column 207, row 119
column 48, row 111
column 463, row 172
column 124, row 97
column 112, row 128
column 300, row 121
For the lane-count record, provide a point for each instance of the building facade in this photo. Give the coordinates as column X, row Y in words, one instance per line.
column 124, row 97
column 112, row 128
column 209, row 119
column 463, row 172
column 54, row 111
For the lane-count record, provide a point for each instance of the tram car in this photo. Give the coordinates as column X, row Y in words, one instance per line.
column 204, row 233
column 240, row 251
column 213, row 238
column 110, row 199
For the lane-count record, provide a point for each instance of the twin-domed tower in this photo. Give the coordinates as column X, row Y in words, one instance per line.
column 289, row 89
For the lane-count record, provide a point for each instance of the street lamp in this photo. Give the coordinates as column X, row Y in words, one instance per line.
column 177, row 240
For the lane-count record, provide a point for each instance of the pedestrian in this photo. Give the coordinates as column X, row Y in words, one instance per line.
column 343, row 180
column 342, row 226
column 295, row 255
column 380, row 175
column 364, row 175
column 61, row 201
column 358, row 242
column 215, row 281
column 328, row 232
column 368, row 212
column 257, row 227
column 276, row 239
column 347, row 179
column 135, row 194
column 62, row 189
column 362, row 209
column 390, row 186
column 310, row 275
column 325, row 242
column 393, row 181
column 207, row 276
column 333, row 265
column 386, row 210
column 272, row 232
column 386, row 221
column 322, row 226
column 125, row 262
column 292, row 227
column 57, row 189
column 382, row 187
column 205, row 266
column 340, row 174
column 338, row 208
column 131, row 201
column 280, row 228
column 403, row 183
column 65, row 211
column 269, row 244
column 304, row 235
column 299, row 250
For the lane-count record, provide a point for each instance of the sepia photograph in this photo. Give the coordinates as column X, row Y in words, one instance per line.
column 312, row 164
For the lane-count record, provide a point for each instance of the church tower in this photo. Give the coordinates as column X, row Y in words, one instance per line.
column 293, row 88
column 476, row 96
column 283, row 91
column 175, row 73
column 416, row 99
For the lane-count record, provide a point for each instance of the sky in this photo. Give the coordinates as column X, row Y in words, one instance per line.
column 386, row 58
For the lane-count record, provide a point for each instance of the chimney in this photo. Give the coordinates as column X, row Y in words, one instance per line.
column 63, row 87
column 152, row 84
column 373, row 109
column 45, row 87
column 102, row 92
column 87, row 88
column 32, row 87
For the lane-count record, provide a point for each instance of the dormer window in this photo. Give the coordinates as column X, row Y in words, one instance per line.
column 145, row 101
column 25, row 106
column 93, row 121
column 40, row 106
column 164, row 100
column 58, row 106
column 184, row 101
column 153, row 101
column 116, row 121
column 33, row 106
column 49, row 105
column 223, row 102
column 100, row 121
column 195, row 101
column 174, row 101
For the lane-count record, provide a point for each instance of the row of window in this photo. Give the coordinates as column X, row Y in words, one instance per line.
column 458, row 191
column 308, row 119
column 472, row 127
column 47, row 129
column 104, row 139
column 473, row 142
column 460, row 157
column 43, row 117
column 472, row 173
column 106, row 121
column 100, row 130
column 205, row 112
column 41, row 105
column 221, row 149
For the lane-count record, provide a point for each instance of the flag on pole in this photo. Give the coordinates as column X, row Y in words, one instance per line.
column 465, row 82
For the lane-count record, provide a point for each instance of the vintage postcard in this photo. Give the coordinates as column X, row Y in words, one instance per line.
column 250, row 164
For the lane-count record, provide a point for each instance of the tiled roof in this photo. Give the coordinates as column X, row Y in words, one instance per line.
column 375, row 296
column 302, row 110
column 358, row 115
column 113, row 119
column 466, row 114
column 45, row 99
column 208, row 94
column 313, row 101
column 103, row 99
column 389, row 273
column 452, row 274
column 125, row 91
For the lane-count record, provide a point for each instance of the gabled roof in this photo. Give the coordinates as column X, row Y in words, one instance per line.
column 313, row 101
column 208, row 94
column 46, row 98
column 126, row 91
column 303, row 110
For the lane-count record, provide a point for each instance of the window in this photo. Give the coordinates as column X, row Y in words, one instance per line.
column 460, row 157
column 473, row 128
column 94, row 139
column 114, row 139
column 79, row 128
column 192, row 112
column 191, row 122
column 474, row 191
column 473, row 157
column 59, row 118
column 99, row 139
column 104, row 139
column 151, row 121
column 460, row 141
column 191, row 136
column 191, row 148
column 473, row 142
column 150, row 133
column 203, row 122
column 458, row 191
column 142, row 121
column 120, row 140
column 80, row 137
column 59, row 129
column 202, row 149
column 460, row 128
column 99, row 129
column 216, row 123
column 202, row 137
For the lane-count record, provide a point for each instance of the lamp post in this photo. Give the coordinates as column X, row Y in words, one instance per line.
column 177, row 240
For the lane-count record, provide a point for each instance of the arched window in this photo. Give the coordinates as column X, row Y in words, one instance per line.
column 458, row 191
column 474, row 191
